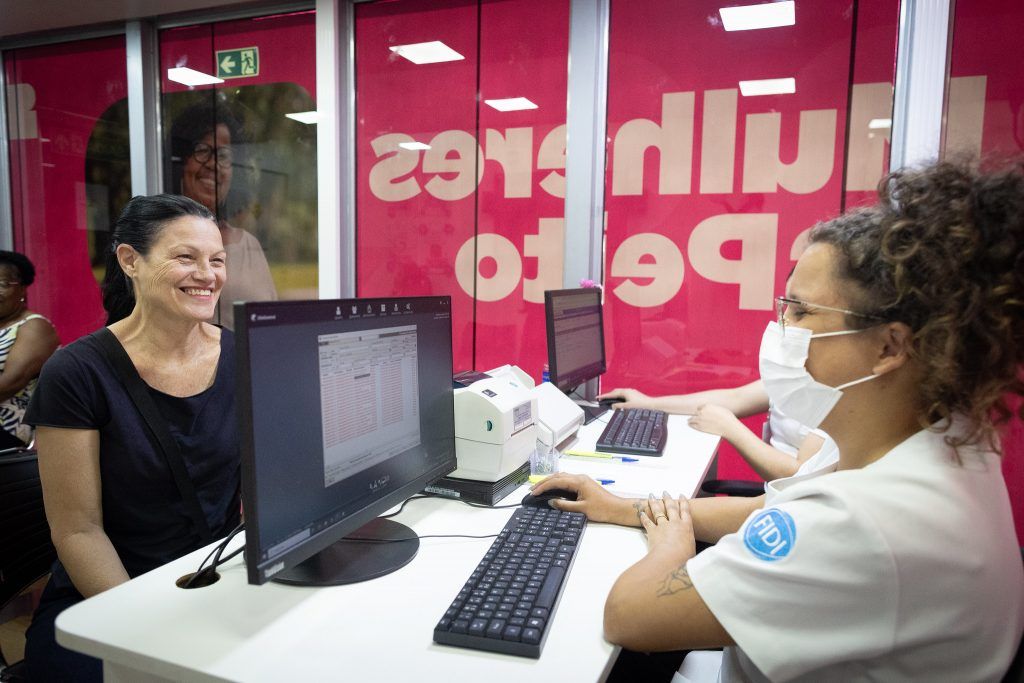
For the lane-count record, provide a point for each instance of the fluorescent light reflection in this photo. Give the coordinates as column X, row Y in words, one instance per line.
column 426, row 53
column 413, row 145
column 878, row 124
column 768, row 86
column 307, row 117
column 765, row 15
column 191, row 77
column 511, row 104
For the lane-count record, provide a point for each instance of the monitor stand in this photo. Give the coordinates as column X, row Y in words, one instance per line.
column 352, row 560
column 591, row 413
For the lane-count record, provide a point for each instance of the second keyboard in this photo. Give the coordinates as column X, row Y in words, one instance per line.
column 636, row 431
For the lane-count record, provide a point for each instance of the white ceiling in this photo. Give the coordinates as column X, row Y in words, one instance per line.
column 20, row 17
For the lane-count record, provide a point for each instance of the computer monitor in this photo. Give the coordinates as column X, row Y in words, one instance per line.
column 575, row 326
column 346, row 410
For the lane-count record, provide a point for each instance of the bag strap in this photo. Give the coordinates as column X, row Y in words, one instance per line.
column 157, row 428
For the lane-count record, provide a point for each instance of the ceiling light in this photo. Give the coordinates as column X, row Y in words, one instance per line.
column 191, row 77
column 426, row 53
column 768, row 86
column 413, row 145
column 303, row 116
column 875, row 124
column 765, row 15
column 511, row 104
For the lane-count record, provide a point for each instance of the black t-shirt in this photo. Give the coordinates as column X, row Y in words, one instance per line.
column 143, row 512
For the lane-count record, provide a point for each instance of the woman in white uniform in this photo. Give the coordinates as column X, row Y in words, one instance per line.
column 901, row 332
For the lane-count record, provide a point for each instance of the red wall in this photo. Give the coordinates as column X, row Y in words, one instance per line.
column 987, row 118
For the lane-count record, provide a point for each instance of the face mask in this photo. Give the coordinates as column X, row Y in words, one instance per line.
column 790, row 387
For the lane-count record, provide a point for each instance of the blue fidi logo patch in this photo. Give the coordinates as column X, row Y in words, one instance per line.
column 770, row 535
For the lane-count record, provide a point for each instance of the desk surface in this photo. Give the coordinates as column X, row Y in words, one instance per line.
column 148, row 629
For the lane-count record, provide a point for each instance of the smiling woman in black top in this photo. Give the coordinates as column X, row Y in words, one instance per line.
column 111, row 500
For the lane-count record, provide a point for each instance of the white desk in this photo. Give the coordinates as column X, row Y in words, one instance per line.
column 148, row 629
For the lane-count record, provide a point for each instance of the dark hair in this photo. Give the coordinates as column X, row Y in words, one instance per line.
column 943, row 252
column 139, row 226
column 26, row 271
column 190, row 126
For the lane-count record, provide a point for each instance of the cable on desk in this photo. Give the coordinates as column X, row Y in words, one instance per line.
column 421, row 496
column 417, row 537
column 216, row 555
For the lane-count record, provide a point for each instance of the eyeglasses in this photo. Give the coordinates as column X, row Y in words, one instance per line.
column 7, row 284
column 202, row 153
column 782, row 303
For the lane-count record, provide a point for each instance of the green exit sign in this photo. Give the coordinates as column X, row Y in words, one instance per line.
column 241, row 62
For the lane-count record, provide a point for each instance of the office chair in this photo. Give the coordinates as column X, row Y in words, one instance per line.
column 733, row 487
column 26, row 551
column 737, row 487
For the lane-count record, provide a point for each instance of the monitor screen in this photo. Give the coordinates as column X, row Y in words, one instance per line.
column 346, row 410
column 575, row 336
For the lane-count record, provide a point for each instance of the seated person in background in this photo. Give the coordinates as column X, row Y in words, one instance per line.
column 717, row 411
column 903, row 564
column 112, row 503
column 27, row 339
column 205, row 144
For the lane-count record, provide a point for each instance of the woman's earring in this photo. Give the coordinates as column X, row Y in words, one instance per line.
column 22, row 299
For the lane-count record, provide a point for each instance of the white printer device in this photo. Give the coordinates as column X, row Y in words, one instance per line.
column 500, row 416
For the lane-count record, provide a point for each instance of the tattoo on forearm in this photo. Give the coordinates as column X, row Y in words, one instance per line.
column 639, row 507
column 678, row 580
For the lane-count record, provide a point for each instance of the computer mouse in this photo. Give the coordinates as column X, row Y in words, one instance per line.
column 541, row 499
column 610, row 400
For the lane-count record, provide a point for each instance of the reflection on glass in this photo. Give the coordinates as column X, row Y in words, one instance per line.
column 262, row 117
column 203, row 141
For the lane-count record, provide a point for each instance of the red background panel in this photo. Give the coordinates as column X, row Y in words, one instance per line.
column 74, row 84
column 986, row 42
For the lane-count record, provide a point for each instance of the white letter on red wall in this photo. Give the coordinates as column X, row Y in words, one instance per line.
column 673, row 139
column 763, row 171
column 666, row 273
column 754, row 271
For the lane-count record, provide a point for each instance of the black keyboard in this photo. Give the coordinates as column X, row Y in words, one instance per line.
column 509, row 600
column 636, row 431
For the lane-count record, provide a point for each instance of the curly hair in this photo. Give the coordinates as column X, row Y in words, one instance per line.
column 189, row 128
column 943, row 252
column 21, row 263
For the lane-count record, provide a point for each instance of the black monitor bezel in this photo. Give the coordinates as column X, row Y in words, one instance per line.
column 257, row 569
column 549, row 323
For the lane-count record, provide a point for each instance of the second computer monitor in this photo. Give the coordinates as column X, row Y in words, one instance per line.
column 575, row 326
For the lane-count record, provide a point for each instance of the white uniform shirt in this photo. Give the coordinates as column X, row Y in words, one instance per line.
column 785, row 433
column 907, row 569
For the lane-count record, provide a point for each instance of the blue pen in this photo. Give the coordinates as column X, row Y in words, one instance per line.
column 605, row 482
column 625, row 459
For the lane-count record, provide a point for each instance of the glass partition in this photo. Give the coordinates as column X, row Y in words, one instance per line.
column 239, row 125
column 724, row 147
column 460, row 157
column 70, row 170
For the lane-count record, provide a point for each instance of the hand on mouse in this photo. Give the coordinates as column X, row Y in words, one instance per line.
column 669, row 527
column 592, row 499
column 631, row 398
